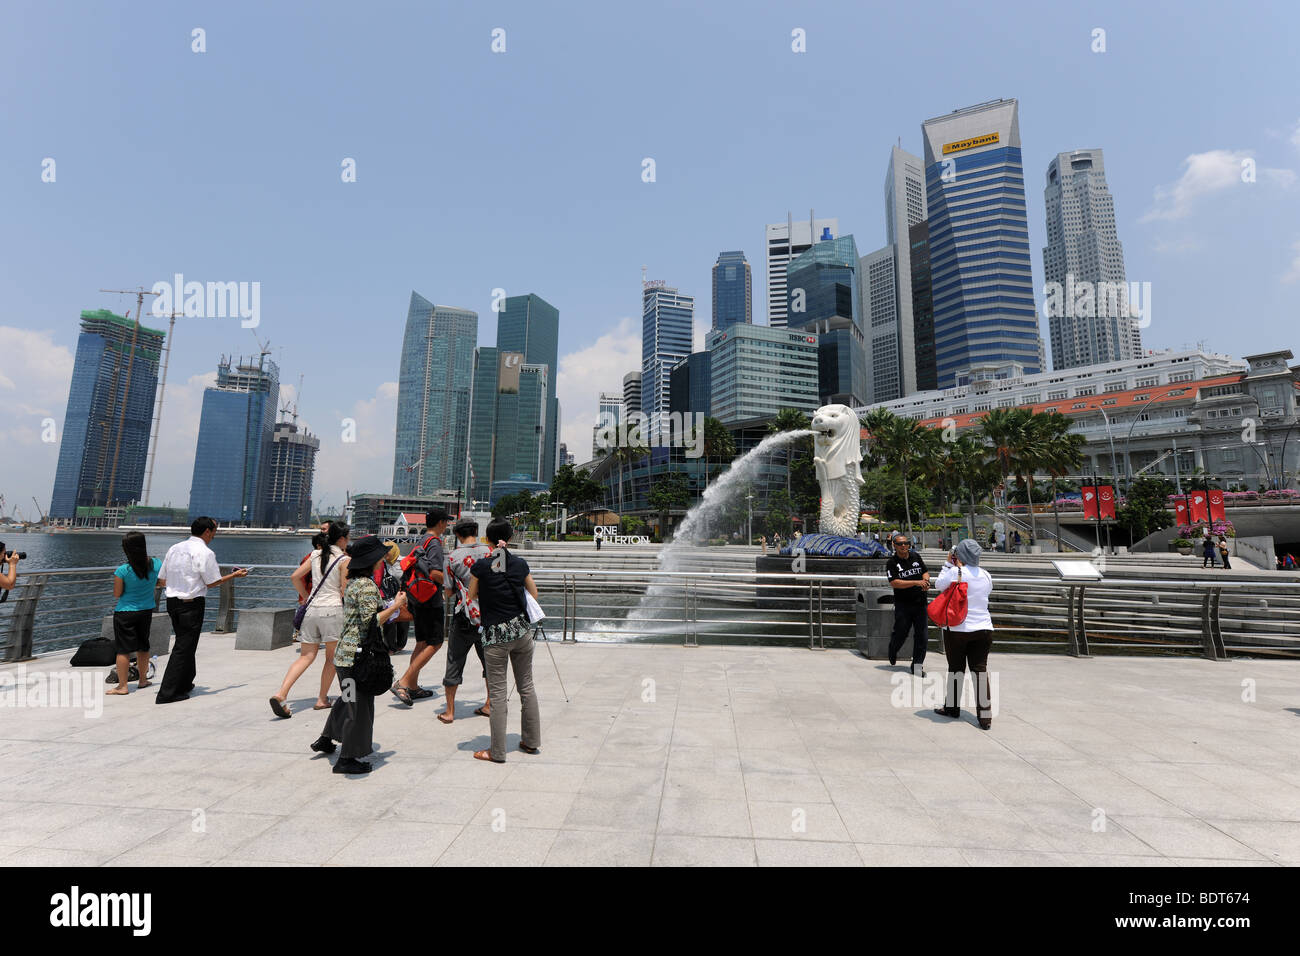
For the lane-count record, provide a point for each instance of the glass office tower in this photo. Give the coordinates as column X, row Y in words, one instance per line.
column 732, row 290
column 107, row 423
column 232, row 457
column 983, row 288
column 531, row 325
column 667, row 317
column 823, row 297
column 433, row 393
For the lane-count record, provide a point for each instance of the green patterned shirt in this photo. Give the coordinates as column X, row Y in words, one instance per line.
column 361, row 602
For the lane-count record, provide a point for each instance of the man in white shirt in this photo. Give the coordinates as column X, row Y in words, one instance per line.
column 188, row 570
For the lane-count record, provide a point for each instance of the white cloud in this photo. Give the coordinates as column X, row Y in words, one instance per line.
column 34, row 378
column 1205, row 174
column 1295, row 135
column 365, row 464
column 1183, row 244
column 1292, row 274
column 584, row 374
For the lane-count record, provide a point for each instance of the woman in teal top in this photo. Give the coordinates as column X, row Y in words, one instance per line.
column 134, row 586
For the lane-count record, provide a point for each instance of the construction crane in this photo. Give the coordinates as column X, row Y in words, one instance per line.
column 39, row 510
column 158, row 405
column 292, row 409
column 139, row 294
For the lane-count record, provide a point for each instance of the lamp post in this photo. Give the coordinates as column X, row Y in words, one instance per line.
column 1113, row 479
column 750, row 527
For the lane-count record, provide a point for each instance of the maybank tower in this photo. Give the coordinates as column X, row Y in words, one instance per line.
column 985, row 319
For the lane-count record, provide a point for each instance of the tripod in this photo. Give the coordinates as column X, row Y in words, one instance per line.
column 539, row 634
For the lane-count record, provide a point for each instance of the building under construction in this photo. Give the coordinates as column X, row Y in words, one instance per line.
column 106, row 426
column 293, row 464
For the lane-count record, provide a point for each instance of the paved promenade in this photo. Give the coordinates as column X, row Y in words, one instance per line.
column 674, row 756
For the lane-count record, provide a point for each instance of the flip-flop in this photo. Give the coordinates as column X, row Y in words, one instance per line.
column 446, row 718
column 483, row 755
column 326, row 707
column 483, row 713
column 279, row 707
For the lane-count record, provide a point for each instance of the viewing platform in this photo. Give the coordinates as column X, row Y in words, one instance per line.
column 670, row 755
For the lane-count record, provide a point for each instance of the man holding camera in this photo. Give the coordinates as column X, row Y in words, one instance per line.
column 10, row 560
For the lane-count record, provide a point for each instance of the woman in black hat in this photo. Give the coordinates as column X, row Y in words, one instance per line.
column 352, row 718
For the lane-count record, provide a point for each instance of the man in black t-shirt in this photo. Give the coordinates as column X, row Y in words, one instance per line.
column 910, row 579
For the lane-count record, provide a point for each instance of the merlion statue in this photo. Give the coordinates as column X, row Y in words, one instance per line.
column 837, row 455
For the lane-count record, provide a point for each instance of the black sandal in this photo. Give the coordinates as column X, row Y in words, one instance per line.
column 402, row 694
column 277, row 705
column 530, row 750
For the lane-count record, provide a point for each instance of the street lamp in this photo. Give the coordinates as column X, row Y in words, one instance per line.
column 750, row 527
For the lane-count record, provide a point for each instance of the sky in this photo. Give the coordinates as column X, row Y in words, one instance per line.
column 522, row 170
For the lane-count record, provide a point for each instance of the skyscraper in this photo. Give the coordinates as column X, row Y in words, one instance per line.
column 825, row 299
column 609, row 412
column 1083, row 252
column 755, row 371
column 783, row 241
column 631, row 393
column 508, row 436
column 531, row 325
column 690, row 389
column 107, row 422
column 433, row 395
column 732, row 290
column 886, row 278
column 482, row 423
column 667, row 318
column 984, row 311
column 293, row 465
column 232, row 457
column 922, row 309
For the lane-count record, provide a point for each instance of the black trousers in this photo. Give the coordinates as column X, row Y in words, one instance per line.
column 910, row 618
column 463, row 636
column 351, row 722
column 968, row 649
column 187, row 624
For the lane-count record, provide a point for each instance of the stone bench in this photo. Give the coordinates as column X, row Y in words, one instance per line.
column 160, row 633
column 264, row 628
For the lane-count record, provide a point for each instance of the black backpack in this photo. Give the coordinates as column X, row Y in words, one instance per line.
column 96, row 652
column 372, row 670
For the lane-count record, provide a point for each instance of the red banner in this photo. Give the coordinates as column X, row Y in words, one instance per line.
column 1199, row 511
column 1089, row 501
column 1106, row 495
column 1181, row 518
column 1216, row 505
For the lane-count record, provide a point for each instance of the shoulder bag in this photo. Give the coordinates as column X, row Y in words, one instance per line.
column 372, row 669
column 950, row 607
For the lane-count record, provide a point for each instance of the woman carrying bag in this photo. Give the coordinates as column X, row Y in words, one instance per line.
column 319, row 582
column 352, row 718
column 501, row 584
column 967, row 638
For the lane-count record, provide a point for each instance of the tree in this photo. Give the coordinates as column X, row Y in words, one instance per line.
column 896, row 441
column 1144, row 510
column 1063, row 454
column 575, row 488
column 631, row 448
column 669, row 491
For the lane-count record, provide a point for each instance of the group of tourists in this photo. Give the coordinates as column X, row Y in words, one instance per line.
column 347, row 592
column 1209, row 548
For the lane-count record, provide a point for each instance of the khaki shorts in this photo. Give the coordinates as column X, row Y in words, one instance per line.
column 322, row 626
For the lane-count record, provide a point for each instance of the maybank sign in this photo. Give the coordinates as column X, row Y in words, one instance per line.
column 988, row 139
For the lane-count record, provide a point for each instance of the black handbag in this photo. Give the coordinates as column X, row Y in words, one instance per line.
column 372, row 670
column 96, row 652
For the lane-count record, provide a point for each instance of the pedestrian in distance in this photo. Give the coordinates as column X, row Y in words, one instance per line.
column 319, row 582
column 967, row 644
column 1207, row 553
column 500, row 580
column 134, row 586
column 910, row 579
column 466, row 617
column 352, row 717
column 422, row 580
column 1223, row 553
column 189, row 568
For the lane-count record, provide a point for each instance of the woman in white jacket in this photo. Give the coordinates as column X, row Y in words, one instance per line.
column 967, row 644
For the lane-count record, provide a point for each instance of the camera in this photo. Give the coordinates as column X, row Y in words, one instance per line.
column 6, row 555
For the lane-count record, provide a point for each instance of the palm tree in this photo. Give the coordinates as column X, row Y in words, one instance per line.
column 975, row 470
column 631, row 448
column 1062, row 455
column 898, row 443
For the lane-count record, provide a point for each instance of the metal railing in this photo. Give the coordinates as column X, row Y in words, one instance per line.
column 55, row 610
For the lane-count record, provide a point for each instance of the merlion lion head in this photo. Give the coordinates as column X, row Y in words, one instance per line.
column 837, row 448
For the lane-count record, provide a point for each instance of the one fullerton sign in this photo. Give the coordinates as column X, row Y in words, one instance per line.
column 988, row 139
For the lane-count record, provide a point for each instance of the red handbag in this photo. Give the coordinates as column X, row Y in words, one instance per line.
column 949, row 608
